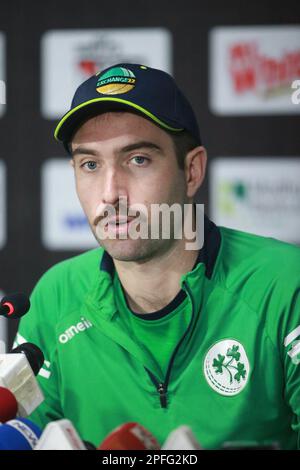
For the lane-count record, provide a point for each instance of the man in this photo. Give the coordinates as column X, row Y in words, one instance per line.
column 144, row 329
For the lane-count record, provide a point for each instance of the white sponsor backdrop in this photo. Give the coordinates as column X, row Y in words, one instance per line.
column 70, row 57
column 2, row 75
column 64, row 225
column 257, row 195
column 2, row 205
column 252, row 69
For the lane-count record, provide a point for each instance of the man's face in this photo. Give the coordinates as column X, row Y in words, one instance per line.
column 121, row 155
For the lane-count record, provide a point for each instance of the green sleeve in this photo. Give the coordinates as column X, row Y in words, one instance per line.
column 291, row 359
column 284, row 330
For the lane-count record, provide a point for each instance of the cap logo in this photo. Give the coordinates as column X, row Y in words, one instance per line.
column 116, row 81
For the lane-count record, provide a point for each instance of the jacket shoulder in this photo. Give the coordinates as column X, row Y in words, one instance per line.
column 82, row 265
column 243, row 250
column 253, row 266
column 63, row 288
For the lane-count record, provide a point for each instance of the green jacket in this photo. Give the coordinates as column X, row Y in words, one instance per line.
column 234, row 374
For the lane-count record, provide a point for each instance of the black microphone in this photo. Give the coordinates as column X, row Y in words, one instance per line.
column 14, row 305
column 33, row 354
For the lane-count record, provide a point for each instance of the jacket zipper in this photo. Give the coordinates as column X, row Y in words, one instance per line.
column 162, row 387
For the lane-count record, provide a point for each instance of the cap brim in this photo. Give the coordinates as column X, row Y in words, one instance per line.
column 76, row 116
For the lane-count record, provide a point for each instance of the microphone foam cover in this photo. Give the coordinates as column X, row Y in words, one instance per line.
column 8, row 405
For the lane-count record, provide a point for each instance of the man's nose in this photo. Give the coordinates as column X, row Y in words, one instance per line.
column 114, row 187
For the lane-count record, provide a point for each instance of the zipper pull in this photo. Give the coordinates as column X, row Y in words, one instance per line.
column 162, row 395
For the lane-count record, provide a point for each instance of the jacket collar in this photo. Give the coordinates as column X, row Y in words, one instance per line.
column 100, row 305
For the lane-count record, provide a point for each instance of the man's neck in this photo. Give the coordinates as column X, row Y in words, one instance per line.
column 152, row 285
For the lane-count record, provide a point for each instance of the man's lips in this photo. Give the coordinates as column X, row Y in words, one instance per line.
column 117, row 225
column 119, row 220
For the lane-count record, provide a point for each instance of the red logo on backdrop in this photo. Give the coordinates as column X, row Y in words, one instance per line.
column 88, row 67
column 251, row 70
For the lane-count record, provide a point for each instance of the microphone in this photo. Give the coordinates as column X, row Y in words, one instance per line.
column 130, row 436
column 19, row 434
column 33, row 354
column 17, row 374
column 14, row 305
column 61, row 435
column 8, row 405
column 181, row 438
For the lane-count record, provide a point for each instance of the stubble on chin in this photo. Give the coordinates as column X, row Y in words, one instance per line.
column 134, row 250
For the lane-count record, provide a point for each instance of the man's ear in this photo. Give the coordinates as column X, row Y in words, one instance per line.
column 195, row 167
column 71, row 161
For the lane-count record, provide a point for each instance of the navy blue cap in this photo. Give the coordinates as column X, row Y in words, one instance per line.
column 149, row 92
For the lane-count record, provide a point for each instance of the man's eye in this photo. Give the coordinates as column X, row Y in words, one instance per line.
column 139, row 160
column 90, row 165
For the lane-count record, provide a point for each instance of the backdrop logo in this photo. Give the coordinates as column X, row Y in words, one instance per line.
column 252, row 69
column 230, row 193
column 100, row 52
column 296, row 94
column 70, row 56
column 116, row 81
column 64, row 224
column 2, row 92
column 226, row 367
column 257, row 195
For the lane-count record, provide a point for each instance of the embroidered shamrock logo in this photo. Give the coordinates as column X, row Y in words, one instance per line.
column 232, row 366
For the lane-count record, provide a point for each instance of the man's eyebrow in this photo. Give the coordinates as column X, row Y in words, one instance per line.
column 139, row 145
column 84, row 151
column 128, row 148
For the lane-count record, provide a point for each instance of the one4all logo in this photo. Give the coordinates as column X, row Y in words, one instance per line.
column 226, row 367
